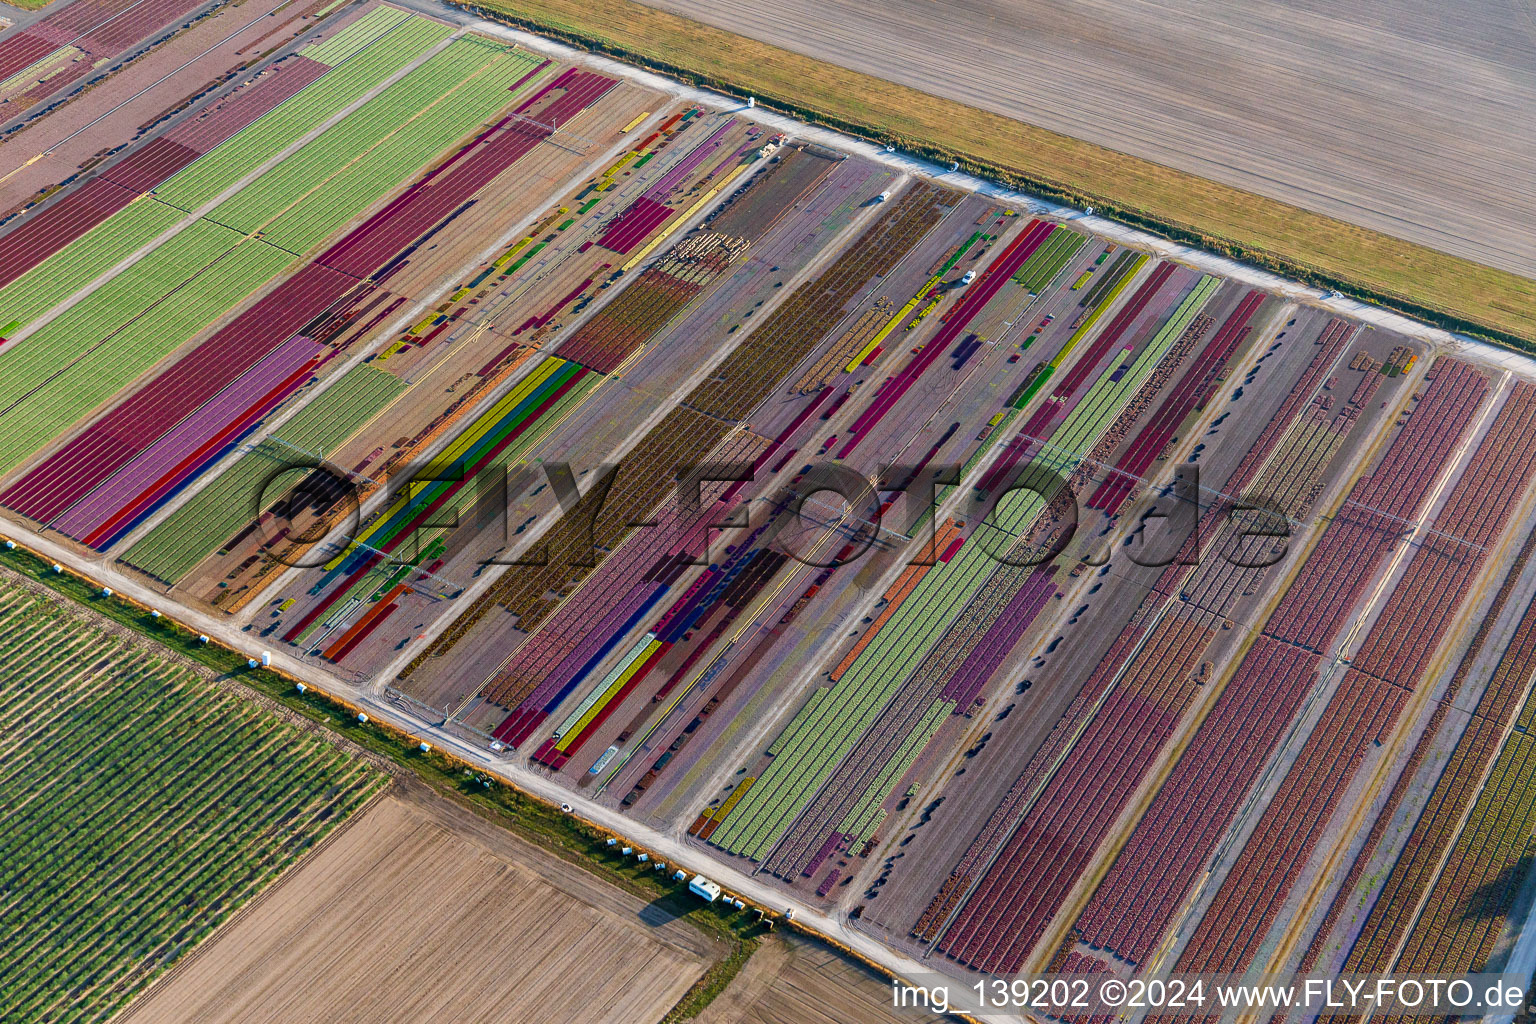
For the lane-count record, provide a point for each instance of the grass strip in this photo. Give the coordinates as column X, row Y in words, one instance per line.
column 1449, row 291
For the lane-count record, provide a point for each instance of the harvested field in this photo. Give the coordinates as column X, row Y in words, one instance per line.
column 497, row 932
column 792, row 981
column 1295, row 237
column 1276, row 99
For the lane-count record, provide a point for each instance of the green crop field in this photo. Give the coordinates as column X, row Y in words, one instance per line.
column 864, row 818
column 71, row 334
column 353, row 39
column 354, row 163
column 212, row 174
column 76, row 265
column 1042, row 267
column 124, row 328
column 1082, row 428
column 218, row 511
column 144, row 806
column 77, row 360
column 462, row 99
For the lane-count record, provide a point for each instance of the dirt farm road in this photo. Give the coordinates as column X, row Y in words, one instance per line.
column 1396, row 116
column 1110, row 230
column 667, row 846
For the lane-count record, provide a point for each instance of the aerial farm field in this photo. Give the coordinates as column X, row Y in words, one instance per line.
column 1108, row 60
column 48, row 144
column 420, row 912
column 1005, row 596
column 144, row 806
column 1267, row 97
column 792, row 981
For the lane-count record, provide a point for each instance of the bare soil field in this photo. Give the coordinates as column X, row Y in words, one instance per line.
column 1393, row 117
column 792, row 981
column 1453, row 291
column 422, row 912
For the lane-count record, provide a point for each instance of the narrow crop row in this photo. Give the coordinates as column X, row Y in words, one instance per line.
column 807, row 765
column 1364, row 708
column 1212, row 585
column 1192, row 392
column 102, row 449
column 499, row 435
column 1412, row 873
column 686, row 435
column 240, row 494
column 234, row 793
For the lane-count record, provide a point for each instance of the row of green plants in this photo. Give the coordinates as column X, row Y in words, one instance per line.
column 557, row 832
column 75, row 265
column 228, row 503
column 380, row 144
column 145, row 805
column 215, row 172
column 124, row 329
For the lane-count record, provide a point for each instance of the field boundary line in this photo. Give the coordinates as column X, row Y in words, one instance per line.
column 397, row 726
column 1178, row 205
column 186, row 960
